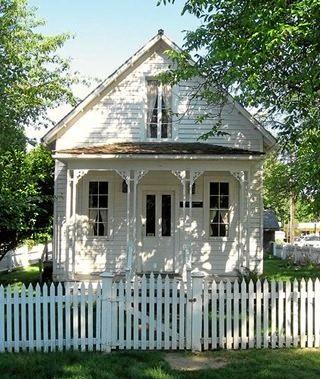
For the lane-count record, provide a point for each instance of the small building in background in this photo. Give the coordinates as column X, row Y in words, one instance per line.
column 270, row 226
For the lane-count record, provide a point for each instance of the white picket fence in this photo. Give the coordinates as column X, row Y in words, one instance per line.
column 298, row 254
column 160, row 313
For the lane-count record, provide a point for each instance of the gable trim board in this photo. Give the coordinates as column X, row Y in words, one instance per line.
column 108, row 84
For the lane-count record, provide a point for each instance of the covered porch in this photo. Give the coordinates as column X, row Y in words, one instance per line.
column 159, row 214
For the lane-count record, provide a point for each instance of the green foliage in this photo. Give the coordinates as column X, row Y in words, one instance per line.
column 26, row 195
column 266, row 52
column 33, row 76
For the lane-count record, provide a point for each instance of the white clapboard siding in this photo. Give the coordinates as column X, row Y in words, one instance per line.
column 149, row 312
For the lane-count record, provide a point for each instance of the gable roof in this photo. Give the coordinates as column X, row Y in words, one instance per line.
column 104, row 86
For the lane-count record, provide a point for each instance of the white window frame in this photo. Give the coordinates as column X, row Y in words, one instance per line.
column 232, row 228
column 108, row 177
column 159, row 114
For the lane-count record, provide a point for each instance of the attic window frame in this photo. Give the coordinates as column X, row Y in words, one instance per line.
column 160, row 94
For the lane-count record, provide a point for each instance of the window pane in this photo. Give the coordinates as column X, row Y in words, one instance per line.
column 214, row 201
column 224, row 217
column 214, row 230
column 214, row 216
column 93, row 201
column 152, row 131
column 150, row 215
column 224, row 202
column 152, row 108
column 166, row 215
column 223, row 230
column 103, row 188
column 224, row 189
column 101, row 229
column 103, row 201
column 213, row 188
column 93, row 187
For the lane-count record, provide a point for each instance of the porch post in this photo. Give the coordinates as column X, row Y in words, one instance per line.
column 241, row 177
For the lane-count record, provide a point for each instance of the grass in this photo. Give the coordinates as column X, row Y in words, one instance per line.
column 279, row 269
column 250, row 364
column 17, row 277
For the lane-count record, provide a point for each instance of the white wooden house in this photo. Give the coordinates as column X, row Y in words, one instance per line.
column 137, row 192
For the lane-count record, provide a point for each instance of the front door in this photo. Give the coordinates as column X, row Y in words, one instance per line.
column 158, row 231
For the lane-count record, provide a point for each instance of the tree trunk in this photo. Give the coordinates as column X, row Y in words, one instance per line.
column 291, row 222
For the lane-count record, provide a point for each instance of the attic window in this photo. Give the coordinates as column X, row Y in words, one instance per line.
column 159, row 123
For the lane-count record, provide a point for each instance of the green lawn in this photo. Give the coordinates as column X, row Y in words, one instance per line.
column 279, row 269
column 283, row 363
column 21, row 275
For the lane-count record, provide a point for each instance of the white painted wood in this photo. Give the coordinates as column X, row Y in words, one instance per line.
column 317, row 300
column 128, row 315
column 16, row 319
column 114, row 315
column 182, row 326
column 273, row 314
column 280, row 314
column 82, row 316
column 52, row 316
column 174, row 317
column 236, row 315
column 229, row 340
column 258, row 314
column 189, row 309
column 23, row 319
column 310, row 313
column 151, row 332
column 144, row 313
column 75, row 314
column 136, row 299
column 205, row 316
column 221, row 301
column 167, row 328
column 265, row 314
column 98, row 318
column 30, row 318
column 159, row 312
column 295, row 301
column 251, row 314
column 60, row 324
column 90, row 318
column 244, row 336
column 2, row 318
column 288, row 314
column 38, row 318
column 68, row 314
column 303, row 297
column 106, row 309
column 197, row 308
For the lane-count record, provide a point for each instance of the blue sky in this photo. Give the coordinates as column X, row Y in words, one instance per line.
column 107, row 32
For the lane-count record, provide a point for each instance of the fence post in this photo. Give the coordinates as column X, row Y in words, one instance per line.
column 106, row 317
column 197, row 288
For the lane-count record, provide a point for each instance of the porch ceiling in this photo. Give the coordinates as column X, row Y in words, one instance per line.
column 159, row 148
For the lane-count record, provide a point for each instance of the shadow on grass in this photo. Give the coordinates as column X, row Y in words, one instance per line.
column 282, row 363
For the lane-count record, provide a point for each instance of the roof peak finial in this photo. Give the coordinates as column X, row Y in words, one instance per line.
column 160, row 32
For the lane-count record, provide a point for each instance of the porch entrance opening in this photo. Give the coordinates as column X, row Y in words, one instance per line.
column 158, row 231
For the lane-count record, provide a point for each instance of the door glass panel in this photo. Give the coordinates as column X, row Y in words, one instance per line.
column 166, row 215
column 150, row 215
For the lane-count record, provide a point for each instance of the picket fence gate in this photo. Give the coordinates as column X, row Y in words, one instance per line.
column 160, row 313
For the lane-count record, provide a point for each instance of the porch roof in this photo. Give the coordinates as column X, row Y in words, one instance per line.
column 158, row 148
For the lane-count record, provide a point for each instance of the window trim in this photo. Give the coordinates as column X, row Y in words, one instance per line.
column 159, row 113
column 109, row 177
column 232, row 235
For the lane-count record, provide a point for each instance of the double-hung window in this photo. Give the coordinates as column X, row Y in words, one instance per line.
column 219, row 209
column 98, row 208
column 159, row 123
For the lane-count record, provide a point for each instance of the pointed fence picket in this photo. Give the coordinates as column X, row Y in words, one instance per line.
column 150, row 312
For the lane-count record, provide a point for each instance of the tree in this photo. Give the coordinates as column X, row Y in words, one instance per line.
column 264, row 52
column 33, row 78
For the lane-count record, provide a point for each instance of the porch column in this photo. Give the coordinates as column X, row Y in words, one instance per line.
column 242, row 178
column 193, row 175
column 126, row 175
column 182, row 177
